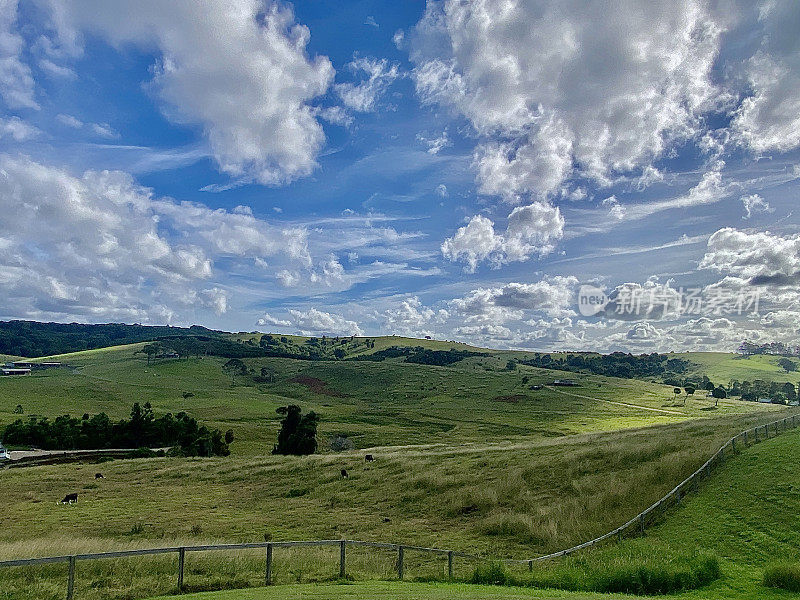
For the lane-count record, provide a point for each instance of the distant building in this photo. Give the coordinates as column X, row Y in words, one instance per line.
column 49, row 365
column 4, row 453
column 171, row 354
column 765, row 400
column 8, row 371
column 22, row 364
column 565, row 382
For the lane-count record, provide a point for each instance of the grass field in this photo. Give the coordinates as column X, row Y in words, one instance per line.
column 375, row 404
column 723, row 367
column 468, row 458
column 746, row 514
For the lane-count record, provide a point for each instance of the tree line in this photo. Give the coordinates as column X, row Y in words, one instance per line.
column 143, row 429
column 31, row 338
column 616, row 364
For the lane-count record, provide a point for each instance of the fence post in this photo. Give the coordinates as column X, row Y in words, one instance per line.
column 450, row 564
column 530, row 565
column 733, row 445
column 745, row 439
column 71, row 579
column 268, row 573
column 181, row 562
column 399, row 562
column 342, row 559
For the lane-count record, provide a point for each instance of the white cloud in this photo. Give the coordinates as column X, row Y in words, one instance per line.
column 104, row 130
column 238, row 69
column 437, row 144
column 99, row 246
column 363, row 96
column 532, row 229
column 601, row 87
column 768, row 119
column 268, row 319
column 412, row 318
column 16, row 81
column 69, row 121
column 551, row 296
column 317, row 322
column 17, row 129
column 754, row 204
column 762, row 257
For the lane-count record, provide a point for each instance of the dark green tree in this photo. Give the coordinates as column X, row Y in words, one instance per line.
column 233, row 368
column 298, row 433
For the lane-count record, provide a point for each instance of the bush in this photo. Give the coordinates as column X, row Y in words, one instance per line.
column 635, row 567
column 785, row 576
column 491, row 574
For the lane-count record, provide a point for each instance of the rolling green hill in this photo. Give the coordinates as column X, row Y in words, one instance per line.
column 469, row 456
column 746, row 514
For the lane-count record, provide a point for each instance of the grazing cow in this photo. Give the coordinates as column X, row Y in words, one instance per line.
column 98, row 476
column 344, row 474
column 369, row 458
column 70, row 498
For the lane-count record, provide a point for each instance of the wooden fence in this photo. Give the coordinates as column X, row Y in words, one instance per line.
column 635, row 526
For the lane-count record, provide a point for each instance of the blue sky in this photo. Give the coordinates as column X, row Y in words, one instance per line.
column 450, row 169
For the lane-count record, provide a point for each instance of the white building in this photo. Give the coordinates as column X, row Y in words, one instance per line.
column 4, row 453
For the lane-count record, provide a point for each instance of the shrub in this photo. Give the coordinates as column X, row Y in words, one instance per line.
column 341, row 443
column 493, row 573
column 634, row 567
column 785, row 576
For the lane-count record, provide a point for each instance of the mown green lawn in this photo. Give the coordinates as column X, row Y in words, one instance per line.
column 391, row 590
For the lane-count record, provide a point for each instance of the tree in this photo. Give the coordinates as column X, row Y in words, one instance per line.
column 298, row 433
column 787, row 365
column 233, row 368
column 717, row 393
column 229, row 436
column 511, row 365
column 676, row 391
column 789, row 390
column 19, row 410
column 150, row 350
column 689, row 392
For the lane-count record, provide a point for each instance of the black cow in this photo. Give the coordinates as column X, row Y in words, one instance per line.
column 369, row 458
column 344, row 474
column 98, row 476
column 70, row 498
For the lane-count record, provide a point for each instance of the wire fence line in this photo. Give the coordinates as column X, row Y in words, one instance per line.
column 635, row 526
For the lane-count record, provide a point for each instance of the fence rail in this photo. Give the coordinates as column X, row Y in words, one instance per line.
column 636, row 525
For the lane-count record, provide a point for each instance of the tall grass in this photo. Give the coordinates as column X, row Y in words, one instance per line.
column 785, row 576
column 635, row 567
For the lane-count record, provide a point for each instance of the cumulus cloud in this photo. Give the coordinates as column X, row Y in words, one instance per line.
column 768, row 118
column 532, row 229
column 412, row 318
column 239, row 70
column 317, row 322
column 379, row 75
column 551, row 296
column 754, row 204
column 601, row 88
column 100, row 246
column 761, row 257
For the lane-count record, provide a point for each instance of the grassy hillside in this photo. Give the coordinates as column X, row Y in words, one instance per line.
column 468, row 457
column 389, row 403
column 723, row 367
column 746, row 514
